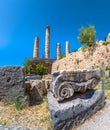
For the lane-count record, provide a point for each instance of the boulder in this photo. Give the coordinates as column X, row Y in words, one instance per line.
column 12, row 83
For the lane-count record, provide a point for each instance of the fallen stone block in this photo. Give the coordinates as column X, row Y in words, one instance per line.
column 35, row 90
column 72, row 112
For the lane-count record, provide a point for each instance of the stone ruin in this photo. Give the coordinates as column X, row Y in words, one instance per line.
column 47, row 61
column 72, row 98
column 67, row 109
column 65, row 83
column 14, row 84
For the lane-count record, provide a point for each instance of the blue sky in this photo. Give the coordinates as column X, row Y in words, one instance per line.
column 22, row 20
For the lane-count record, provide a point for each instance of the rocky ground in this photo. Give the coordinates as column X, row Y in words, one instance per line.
column 29, row 117
column 38, row 117
column 100, row 121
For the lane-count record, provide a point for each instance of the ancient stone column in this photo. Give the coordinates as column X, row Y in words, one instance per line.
column 58, row 51
column 36, row 48
column 108, row 38
column 47, row 42
column 67, row 48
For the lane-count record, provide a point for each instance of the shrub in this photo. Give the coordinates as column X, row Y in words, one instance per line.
column 75, row 50
column 105, row 43
column 40, row 69
column 84, row 48
column 107, row 68
column 77, row 61
column 62, row 55
column 27, row 65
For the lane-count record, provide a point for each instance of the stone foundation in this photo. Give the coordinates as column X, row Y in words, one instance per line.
column 72, row 112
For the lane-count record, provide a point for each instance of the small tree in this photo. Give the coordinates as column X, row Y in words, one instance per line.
column 40, row 69
column 27, row 65
column 87, row 35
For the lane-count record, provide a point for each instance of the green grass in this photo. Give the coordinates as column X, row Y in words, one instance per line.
column 20, row 104
column 107, row 86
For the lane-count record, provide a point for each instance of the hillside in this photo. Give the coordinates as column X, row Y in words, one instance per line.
column 98, row 55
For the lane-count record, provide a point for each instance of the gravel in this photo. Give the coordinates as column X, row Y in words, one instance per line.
column 100, row 121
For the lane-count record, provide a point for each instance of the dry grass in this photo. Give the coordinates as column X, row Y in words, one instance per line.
column 106, row 91
column 31, row 117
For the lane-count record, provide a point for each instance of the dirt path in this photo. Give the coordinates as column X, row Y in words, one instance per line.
column 100, row 121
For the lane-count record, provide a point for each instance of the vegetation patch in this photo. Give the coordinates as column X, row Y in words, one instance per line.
column 40, row 69
column 84, row 48
column 62, row 55
column 105, row 43
column 31, row 117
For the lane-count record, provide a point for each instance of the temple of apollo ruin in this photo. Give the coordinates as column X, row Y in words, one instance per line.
column 47, row 61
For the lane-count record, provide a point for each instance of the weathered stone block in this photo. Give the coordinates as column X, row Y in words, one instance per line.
column 65, row 83
column 12, row 83
column 35, row 90
column 33, row 77
column 72, row 112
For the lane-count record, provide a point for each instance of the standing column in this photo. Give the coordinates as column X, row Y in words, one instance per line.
column 108, row 38
column 67, row 48
column 58, row 51
column 47, row 42
column 36, row 48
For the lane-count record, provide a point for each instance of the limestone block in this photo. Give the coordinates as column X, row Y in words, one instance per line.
column 35, row 90
column 40, row 84
column 12, row 83
column 75, row 111
column 33, row 77
column 65, row 83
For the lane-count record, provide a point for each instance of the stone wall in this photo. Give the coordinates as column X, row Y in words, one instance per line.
column 100, row 56
column 12, row 83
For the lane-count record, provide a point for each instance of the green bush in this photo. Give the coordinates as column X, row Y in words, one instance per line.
column 62, row 55
column 77, row 61
column 107, row 68
column 40, row 69
column 27, row 64
column 75, row 50
column 87, row 35
column 20, row 104
column 105, row 43
column 84, row 48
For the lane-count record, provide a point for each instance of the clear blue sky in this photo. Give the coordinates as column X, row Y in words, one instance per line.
column 22, row 20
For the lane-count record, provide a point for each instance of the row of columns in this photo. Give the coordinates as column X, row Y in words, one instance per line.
column 47, row 46
column 58, row 50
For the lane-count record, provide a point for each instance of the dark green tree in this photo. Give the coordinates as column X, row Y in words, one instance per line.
column 27, row 65
column 40, row 69
column 87, row 35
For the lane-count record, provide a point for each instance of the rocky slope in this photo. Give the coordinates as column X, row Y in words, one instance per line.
column 98, row 55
